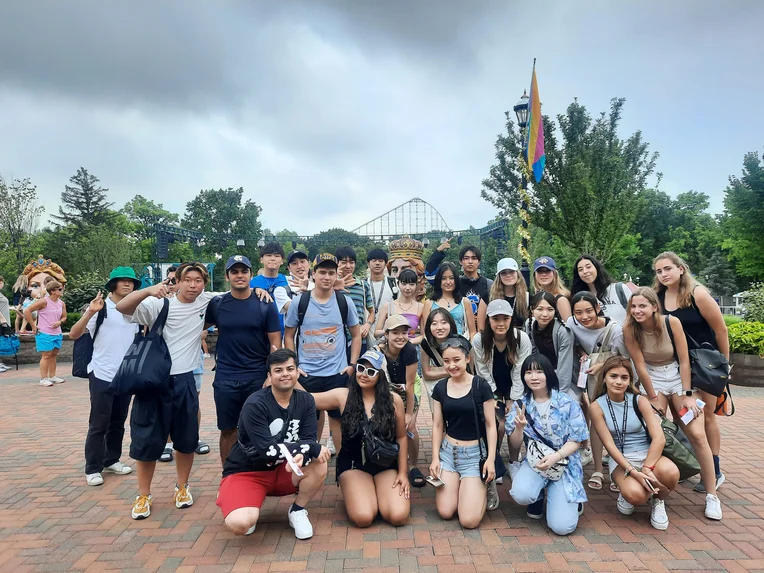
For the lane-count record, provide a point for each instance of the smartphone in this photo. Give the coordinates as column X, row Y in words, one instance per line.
column 650, row 486
column 434, row 482
column 410, row 434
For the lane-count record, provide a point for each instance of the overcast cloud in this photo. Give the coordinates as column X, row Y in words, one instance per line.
column 329, row 113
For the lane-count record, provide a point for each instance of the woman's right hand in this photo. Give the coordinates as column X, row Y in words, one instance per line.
column 642, row 479
column 520, row 419
column 435, row 467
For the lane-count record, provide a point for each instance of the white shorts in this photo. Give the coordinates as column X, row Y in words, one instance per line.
column 635, row 458
column 666, row 379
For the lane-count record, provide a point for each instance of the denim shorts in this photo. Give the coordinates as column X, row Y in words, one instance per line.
column 464, row 460
column 666, row 379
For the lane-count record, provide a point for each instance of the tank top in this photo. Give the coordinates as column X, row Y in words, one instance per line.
column 413, row 319
column 635, row 437
column 693, row 323
column 48, row 315
column 657, row 351
column 456, row 312
column 353, row 446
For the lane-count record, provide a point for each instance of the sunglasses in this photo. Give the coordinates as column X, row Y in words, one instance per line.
column 370, row 372
column 456, row 342
column 172, row 281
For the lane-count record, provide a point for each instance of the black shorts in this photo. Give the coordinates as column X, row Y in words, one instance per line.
column 155, row 416
column 324, row 384
column 346, row 461
column 230, row 396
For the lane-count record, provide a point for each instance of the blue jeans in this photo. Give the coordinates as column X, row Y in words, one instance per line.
column 561, row 514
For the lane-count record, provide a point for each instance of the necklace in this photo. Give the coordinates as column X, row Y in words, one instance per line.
column 449, row 303
column 406, row 309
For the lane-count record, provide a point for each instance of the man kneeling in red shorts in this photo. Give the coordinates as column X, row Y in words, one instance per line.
column 256, row 467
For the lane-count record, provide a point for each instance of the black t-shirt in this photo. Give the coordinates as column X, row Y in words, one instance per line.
column 396, row 369
column 243, row 345
column 260, row 424
column 517, row 320
column 502, row 372
column 459, row 413
column 542, row 339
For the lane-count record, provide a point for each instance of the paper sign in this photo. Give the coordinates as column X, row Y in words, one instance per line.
column 290, row 460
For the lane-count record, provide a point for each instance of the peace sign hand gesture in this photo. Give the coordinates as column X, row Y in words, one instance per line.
column 520, row 419
column 96, row 304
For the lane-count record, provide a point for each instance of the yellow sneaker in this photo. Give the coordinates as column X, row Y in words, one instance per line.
column 142, row 507
column 183, row 496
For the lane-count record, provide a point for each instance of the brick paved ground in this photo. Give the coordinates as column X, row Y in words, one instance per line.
column 51, row 521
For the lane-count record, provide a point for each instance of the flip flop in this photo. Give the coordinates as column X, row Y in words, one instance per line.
column 166, row 455
column 595, row 482
column 202, row 448
column 416, row 477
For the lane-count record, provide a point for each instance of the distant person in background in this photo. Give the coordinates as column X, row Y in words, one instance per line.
column 51, row 314
column 19, row 295
column 5, row 315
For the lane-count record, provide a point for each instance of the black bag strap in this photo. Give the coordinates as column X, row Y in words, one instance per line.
column 533, row 425
column 393, row 283
column 634, row 399
column 621, row 295
column 161, row 319
column 302, row 309
column 99, row 320
column 477, row 419
column 671, row 336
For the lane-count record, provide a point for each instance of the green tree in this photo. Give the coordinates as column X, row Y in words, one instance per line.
column 328, row 241
column 145, row 213
column 221, row 216
column 19, row 215
column 84, row 202
column 718, row 275
column 588, row 198
column 743, row 221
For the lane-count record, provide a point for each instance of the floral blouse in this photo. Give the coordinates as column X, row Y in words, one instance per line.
column 568, row 424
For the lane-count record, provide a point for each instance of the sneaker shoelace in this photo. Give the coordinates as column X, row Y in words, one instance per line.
column 142, row 503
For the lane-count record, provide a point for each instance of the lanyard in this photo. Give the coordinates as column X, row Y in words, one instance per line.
column 620, row 435
column 381, row 292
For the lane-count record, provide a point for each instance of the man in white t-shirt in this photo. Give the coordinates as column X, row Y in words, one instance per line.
column 383, row 289
column 112, row 336
column 153, row 417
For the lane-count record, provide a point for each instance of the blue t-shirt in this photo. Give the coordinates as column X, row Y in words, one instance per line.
column 243, row 345
column 322, row 341
column 269, row 285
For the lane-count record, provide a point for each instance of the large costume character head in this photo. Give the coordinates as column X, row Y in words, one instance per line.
column 40, row 269
column 406, row 253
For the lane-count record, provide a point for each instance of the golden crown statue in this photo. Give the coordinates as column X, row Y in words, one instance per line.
column 406, row 248
column 43, row 265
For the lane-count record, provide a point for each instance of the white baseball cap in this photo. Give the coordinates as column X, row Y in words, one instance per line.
column 506, row 265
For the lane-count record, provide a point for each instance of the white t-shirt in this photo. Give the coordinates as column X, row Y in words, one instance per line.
column 381, row 295
column 114, row 339
column 183, row 330
column 611, row 304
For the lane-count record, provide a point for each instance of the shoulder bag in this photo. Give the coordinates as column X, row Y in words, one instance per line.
column 709, row 368
column 82, row 351
column 602, row 352
column 376, row 450
column 147, row 363
column 537, row 450
column 674, row 449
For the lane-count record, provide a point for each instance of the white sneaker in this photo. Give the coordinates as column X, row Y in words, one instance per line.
column 45, row 382
column 713, row 507
column 298, row 520
column 586, row 456
column 251, row 530
column 206, row 356
column 94, row 479
column 499, row 480
column 492, row 496
column 624, row 506
column 658, row 517
column 700, row 488
column 118, row 468
column 330, row 447
column 56, row 380
column 513, row 468
column 3, row 367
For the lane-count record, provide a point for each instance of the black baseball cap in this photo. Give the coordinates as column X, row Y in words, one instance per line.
column 296, row 255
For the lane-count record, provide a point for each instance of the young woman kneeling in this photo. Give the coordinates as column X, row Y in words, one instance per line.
column 633, row 437
column 551, row 423
column 371, row 414
column 464, row 405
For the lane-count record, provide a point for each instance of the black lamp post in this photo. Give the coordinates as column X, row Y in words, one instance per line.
column 521, row 110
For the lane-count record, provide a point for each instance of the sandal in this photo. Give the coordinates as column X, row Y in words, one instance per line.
column 202, row 448
column 595, row 482
column 614, row 487
column 416, row 477
column 166, row 455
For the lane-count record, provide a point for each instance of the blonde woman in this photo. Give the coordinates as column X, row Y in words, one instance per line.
column 681, row 296
column 546, row 277
column 510, row 286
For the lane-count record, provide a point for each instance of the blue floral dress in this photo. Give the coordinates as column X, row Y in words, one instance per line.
column 568, row 424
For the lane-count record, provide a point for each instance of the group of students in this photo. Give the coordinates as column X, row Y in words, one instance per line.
column 493, row 360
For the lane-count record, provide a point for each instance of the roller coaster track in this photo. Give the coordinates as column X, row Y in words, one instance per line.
column 414, row 217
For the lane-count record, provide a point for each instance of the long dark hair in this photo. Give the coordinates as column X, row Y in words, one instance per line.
column 487, row 337
column 585, row 296
column 382, row 421
column 539, row 362
column 428, row 324
column 601, row 283
column 437, row 291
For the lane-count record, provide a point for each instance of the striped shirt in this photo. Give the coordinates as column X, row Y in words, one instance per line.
column 361, row 297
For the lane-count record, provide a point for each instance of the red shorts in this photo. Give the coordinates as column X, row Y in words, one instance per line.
column 249, row 489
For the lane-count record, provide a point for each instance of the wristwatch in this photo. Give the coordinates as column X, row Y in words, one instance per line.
column 687, row 393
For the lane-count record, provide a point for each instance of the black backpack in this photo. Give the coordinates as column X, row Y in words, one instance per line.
column 302, row 308
column 82, row 352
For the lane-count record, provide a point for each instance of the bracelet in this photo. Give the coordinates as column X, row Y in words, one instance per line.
column 651, row 468
column 628, row 471
column 654, row 397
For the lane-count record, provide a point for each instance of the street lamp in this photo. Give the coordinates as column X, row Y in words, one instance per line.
column 521, row 111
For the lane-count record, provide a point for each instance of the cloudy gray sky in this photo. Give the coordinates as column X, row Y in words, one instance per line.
column 329, row 113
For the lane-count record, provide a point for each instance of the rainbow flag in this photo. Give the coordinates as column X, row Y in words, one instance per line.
column 535, row 155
